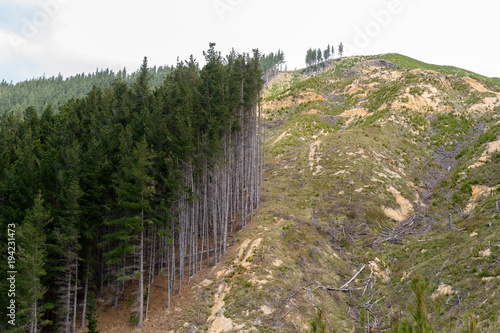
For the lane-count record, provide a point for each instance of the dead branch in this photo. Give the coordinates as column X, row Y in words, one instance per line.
column 347, row 283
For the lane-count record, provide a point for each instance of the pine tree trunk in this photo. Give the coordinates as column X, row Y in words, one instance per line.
column 85, row 296
column 214, row 217
column 141, row 276
column 73, row 326
column 151, row 273
column 68, row 302
column 101, row 287
column 34, row 324
column 169, row 282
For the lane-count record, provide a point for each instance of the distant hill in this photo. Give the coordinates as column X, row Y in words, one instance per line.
column 56, row 90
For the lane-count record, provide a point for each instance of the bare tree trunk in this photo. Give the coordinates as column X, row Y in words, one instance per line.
column 151, row 272
column 101, row 287
column 68, row 301
column 141, row 270
column 34, row 323
column 214, row 217
column 182, row 239
column 73, row 326
column 169, row 282
column 84, row 305
column 117, row 290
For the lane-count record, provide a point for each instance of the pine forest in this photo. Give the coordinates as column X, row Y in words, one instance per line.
column 126, row 183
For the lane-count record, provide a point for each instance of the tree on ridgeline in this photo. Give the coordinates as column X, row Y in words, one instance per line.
column 272, row 63
column 319, row 56
column 326, row 53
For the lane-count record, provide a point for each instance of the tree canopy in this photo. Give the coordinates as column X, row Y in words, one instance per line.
column 133, row 174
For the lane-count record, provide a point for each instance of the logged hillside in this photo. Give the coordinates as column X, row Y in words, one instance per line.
column 378, row 206
column 367, row 160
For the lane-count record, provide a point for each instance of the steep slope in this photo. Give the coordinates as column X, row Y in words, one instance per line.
column 366, row 158
column 399, row 150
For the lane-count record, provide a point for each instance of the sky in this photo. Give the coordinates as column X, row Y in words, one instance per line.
column 68, row 37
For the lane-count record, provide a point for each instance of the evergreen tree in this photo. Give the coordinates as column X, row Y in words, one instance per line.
column 141, row 102
column 66, row 249
column 341, row 50
column 91, row 315
column 32, row 255
column 133, row 187
column 308, row 57
column 326, row 53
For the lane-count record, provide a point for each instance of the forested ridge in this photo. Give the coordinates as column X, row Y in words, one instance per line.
column 57, row 90
column 127, row 183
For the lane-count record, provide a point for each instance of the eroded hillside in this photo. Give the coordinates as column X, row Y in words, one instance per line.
column 374, row 169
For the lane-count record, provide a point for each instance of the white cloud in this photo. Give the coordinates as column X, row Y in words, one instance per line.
column 81, row 35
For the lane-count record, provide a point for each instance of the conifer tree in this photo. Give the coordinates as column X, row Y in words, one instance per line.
column 91, row 315
column 326, row 53
column 133, row 187
column 32, row 255
column 66, row 248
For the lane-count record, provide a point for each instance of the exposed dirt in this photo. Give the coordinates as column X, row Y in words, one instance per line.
column 405, row 206
column 353, row 114
column 382, row 275
column 340, row 172
column 377, row 69
column 488, row 104
column 443, row 289
column 491, row 148
column 485, row 253
column 255, row 244
column 478, row 86
column 217, row 321
column 314, row 155
column 311, row 111
column 423, row 103
column 477, row 191
column 357, row 86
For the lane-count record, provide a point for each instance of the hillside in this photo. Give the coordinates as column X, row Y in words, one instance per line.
column 358, row 195
column 367, row 159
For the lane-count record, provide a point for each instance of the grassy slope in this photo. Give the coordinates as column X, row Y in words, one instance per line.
column 401, row 145
column 410, row 63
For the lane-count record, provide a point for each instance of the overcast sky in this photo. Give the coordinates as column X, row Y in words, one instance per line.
column 48, row 37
